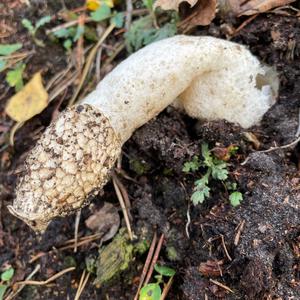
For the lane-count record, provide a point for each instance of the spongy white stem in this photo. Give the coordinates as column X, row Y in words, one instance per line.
column 213, row 79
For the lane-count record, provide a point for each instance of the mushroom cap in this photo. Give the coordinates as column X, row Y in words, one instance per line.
column 70, row 163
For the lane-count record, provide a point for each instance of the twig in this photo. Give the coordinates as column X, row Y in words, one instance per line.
column 98, row 64
column 187, row 225
column 295, row 142
column 124, row 192
column 13, row 131
column 89, row 61
column 66, row 25
column 245, row 23
column 44, row 282
column 298, row 129
column 68, row 245
column 225, row 249
column 167, row 288
column 79, row 47
column 62, row 86
column 84, row 238
column 57, row 76
column 123, row 207
column 239, row 231
column 21, row 55
column 80, row 243
column 221, row 285
column 146, row 265
column 154, row 260
column 136, row 12
column 83, row 281
column 14, row 294
column 113, row 56
column 129, row 9
column 77, row 220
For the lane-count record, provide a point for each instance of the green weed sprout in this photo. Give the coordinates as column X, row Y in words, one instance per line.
column 216, row 169
column 152, row 291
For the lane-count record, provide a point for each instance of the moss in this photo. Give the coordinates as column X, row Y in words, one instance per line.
column 117, row 256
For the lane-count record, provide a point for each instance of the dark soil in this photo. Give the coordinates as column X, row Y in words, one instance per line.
column 262, row 264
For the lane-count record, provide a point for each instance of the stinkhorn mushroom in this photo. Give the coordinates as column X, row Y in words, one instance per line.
column 208, row 77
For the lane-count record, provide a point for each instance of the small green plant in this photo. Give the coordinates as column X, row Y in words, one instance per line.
column 104, row 12
column 72, row 34
column 146, row 30
column 216, row 169
column 6, row 276
column 152, row 291
column 32, row 29
column 5, row 51
column 142, row 33
column 14, row 77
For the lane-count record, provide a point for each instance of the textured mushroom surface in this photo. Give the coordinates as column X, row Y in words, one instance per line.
column 211, row 78
column 70, row 162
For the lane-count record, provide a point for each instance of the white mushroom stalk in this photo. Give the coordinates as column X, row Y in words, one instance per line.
column 210, row 78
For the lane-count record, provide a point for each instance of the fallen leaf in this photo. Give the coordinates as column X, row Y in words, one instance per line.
column 211, row 268
column 172, row 4
column 28, row 102
column 106, row 220
column 251, row 137
column 200, row 12
column 252, row 7
column 259, row 6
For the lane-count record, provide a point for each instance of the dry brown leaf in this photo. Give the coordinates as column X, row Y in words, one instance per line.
column 28, row 102
column 202, row 13
column 106, row 220
column 251, row 137
column 259, row 6
column 248, row 8
column 172, row 4
column 211, row 268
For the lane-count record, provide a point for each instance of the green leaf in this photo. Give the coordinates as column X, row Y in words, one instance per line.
column 28, row 25
column 219, row 171
column 68, row 44
column 199, row 196
column 208, row 159
column 231, row 186
column 142, row 33
column 7, row 49
column 192, row 166
column 165, row 271
column 2, row 64
column 151, row 291
column 235, row 198
column 15, row 77
column 201, row 190
column 118, row 20
column 63, row 32
column 8, row 274
column 79, row 33
column 42, row 21
column 163, row 32
column 2, row 291
column 148, row 4
column 102, row 13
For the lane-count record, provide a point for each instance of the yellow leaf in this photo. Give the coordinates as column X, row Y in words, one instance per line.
column 95, row 4
column 28, row 102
